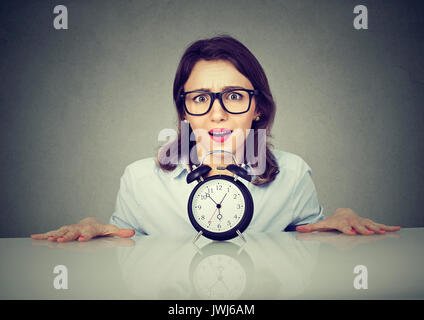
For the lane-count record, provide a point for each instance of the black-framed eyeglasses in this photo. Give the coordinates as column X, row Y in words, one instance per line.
column 234, row 101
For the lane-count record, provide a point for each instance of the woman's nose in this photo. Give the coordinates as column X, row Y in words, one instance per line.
column 217, row 112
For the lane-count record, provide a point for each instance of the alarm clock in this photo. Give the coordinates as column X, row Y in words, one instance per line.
column 220, row 207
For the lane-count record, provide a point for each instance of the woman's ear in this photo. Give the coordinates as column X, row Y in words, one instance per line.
column 256, row 115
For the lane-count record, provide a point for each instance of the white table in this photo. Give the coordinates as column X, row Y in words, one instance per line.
column 286, row 265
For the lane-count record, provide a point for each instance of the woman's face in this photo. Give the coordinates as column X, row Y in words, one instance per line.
column 216, row 76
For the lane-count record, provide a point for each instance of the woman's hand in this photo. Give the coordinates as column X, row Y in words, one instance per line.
column 348, row 222
column 83, row 231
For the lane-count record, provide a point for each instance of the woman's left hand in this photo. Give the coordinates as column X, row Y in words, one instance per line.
column 348, row 222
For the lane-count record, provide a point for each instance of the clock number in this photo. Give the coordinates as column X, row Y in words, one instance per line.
column 239, row 206
column 218, row 226
column 229, row 223
column 218, row 187
column 234, row 195
column 202, row 217
column 198, row 207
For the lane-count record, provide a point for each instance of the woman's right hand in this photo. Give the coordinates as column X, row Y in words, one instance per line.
column 84, row 230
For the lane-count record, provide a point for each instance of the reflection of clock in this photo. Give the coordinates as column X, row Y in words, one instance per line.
column 221, row 270
column 220, row 207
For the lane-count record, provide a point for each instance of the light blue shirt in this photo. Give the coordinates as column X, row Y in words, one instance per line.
column 152, row 201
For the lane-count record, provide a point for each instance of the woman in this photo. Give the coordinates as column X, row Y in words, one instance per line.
column 223, row 102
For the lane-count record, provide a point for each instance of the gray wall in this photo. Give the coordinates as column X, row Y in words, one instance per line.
column 78, row 105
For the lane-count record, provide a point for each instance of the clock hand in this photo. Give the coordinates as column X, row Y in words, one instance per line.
column 219, row 216
column 223, row 198
column 211, row 198
column 217, row 207
column 213, row 215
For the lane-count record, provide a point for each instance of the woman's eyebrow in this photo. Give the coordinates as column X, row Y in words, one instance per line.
column 223, row 88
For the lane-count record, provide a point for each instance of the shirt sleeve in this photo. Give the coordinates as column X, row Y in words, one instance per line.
column 306, row 208
column 126, row 207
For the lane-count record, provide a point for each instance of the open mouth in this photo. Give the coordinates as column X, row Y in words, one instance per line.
column 220, row 134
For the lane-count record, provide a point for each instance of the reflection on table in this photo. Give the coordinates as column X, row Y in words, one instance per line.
column 285, row 265
column 267, row 266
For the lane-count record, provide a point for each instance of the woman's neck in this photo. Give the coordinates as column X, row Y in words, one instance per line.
column 215, row 171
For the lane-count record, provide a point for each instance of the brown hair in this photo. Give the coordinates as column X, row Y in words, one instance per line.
column 225, row 47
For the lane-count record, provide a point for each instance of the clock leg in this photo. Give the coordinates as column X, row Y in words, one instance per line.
column 241, row 235
column 198, row 236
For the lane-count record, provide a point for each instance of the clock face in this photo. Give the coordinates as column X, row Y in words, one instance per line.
column 218, row 205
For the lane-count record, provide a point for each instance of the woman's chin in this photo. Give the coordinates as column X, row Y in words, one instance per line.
column 220, row 147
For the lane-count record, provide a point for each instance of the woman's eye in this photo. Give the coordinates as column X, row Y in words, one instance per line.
column 200, row 99
column 234, row 96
